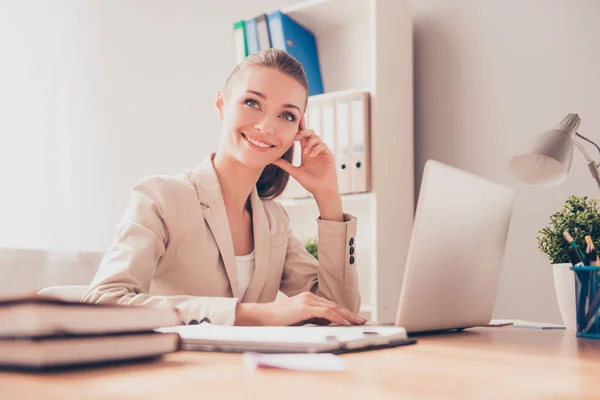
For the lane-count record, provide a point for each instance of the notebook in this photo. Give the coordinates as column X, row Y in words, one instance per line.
column 288, row 339
column 45, row 316
column 69, row 351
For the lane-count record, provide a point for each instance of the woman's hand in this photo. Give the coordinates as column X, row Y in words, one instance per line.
column 302, row 308
column 317, row 172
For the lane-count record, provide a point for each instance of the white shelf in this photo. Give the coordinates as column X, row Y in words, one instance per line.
column 316, row 15
column 368, row 44
column 337, row 93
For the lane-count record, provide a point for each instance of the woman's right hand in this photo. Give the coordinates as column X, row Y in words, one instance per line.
column 303, row 308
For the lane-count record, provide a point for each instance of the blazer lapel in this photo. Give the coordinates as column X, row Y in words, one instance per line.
column 262, row 245
column 215, row 215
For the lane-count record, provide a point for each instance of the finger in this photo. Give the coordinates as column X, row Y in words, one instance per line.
column 349, row 315
column 320, row 148
column 330, row 314
column 306, row 134
column 286, row 166
column 311, row 143
column 302, row 125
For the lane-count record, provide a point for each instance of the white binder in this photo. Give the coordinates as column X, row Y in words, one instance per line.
column 342, row 154
column 359, row 148
column 341, row 119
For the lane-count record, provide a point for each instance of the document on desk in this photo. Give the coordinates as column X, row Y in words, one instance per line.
column 288, row 339
column 295, row 362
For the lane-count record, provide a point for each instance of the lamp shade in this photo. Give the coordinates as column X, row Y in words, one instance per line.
column 546, row 159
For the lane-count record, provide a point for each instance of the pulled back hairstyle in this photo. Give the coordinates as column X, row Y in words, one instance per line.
column 273, row 180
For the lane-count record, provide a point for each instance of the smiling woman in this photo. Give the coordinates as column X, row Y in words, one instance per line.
column 212, row 243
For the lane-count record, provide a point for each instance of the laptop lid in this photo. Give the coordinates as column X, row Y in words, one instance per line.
column 455, row 251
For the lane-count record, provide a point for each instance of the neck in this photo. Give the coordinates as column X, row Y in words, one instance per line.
column 237, row 181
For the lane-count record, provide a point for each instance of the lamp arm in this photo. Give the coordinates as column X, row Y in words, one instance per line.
column 592, row 165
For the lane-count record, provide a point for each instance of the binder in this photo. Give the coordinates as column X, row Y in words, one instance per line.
column 359, row 147
column 239, row 38
column 294, row 190
column 251, row 35
column 289, row 339
column 262, row 32
column 342, row 121
column 342, row 154
column 288, row 35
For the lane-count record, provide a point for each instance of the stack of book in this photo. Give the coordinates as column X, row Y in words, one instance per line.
column 277, row 30
column 41, row 333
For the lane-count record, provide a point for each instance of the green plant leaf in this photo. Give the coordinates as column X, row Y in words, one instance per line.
column 311, row 246
column 580, row 217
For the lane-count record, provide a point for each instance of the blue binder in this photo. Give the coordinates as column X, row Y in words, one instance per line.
column 288, row 35
column 251, row 35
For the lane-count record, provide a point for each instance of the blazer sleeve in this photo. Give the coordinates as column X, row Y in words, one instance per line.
column 334, row 276
column 127, row 268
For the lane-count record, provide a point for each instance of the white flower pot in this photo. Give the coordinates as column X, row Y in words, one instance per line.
column 564, row 287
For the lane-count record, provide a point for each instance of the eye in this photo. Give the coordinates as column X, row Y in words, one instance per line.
column 289, row 116
column 252, row 103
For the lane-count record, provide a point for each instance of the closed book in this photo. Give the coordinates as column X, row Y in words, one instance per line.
column 288, row 35
column 240, row 41
column 45, row 316
column 262, row 32
column 251, row 35
column 69, row 351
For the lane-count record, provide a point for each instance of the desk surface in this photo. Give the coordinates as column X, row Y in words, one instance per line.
column 482, row 363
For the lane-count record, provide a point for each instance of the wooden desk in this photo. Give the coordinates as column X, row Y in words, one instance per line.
column 482, row 363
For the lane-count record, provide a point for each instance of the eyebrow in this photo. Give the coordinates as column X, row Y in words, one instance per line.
column 262, row 96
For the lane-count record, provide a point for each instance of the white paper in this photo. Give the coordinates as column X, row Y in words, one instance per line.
column 537, row 325
column 500, row 322
column 295, row 362
column 281, row 334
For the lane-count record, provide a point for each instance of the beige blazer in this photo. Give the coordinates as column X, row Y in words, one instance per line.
column 173, row 248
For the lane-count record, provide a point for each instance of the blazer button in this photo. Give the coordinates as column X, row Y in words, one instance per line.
column 352, row 251
column 351, row 260
column 351, row 242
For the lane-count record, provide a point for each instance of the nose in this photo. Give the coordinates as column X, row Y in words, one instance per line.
column 267, row 125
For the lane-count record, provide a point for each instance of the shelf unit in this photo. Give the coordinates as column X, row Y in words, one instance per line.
column 367, row 45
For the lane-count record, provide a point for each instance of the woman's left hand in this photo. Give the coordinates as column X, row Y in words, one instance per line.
column 317, row 171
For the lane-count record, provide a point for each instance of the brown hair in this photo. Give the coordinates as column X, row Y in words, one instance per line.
column 273, row 180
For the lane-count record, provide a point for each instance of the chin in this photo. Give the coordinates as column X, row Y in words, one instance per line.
column 254, row 160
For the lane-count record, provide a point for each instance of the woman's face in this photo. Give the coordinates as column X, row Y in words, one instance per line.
column 260, row 113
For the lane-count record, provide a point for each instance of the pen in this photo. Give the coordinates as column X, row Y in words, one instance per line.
column 594, row 260
column 573, row 243
column 577, row 261
column 575, row 256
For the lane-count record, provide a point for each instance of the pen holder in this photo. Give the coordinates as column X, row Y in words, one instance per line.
column 587, row 295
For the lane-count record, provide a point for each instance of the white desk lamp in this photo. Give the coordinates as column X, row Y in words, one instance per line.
column 546, row 159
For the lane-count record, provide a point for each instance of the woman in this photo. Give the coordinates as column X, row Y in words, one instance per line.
column 213, row 244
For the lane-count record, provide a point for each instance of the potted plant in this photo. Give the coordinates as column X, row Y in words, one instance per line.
column 580, row 217
column 310, row 244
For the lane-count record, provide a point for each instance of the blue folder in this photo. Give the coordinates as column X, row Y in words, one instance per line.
column 251, row 35
column 288, row 35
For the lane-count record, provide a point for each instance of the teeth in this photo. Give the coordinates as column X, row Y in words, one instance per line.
column 257, row 143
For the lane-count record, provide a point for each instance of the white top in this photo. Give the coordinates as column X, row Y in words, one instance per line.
column 245, row 269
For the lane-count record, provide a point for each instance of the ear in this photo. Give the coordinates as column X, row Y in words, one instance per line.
column 219, row 104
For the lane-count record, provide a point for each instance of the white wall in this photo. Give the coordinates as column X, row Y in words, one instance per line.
column 96, row 94
column 488, row 76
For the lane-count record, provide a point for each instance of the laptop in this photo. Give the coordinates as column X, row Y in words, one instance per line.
column 450, row 280
column 455, row 252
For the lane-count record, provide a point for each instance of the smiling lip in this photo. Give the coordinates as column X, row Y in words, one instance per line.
column 257, row 140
